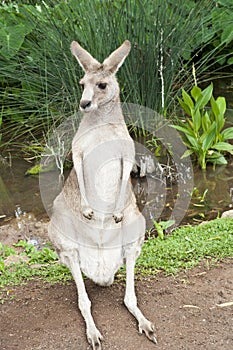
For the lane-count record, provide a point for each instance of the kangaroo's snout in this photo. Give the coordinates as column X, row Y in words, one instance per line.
column 85, row 104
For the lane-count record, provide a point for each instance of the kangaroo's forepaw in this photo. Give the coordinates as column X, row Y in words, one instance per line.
column 88, row 213
column 148, row 328
column 118, row 217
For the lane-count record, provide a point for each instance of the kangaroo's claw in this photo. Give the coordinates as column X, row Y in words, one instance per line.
column 88, row 213
column 118, row 217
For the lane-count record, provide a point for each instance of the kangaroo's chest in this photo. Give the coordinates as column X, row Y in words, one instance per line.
column 103, row 151
column 109, row 140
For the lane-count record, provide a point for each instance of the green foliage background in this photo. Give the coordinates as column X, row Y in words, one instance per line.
column 39, row 77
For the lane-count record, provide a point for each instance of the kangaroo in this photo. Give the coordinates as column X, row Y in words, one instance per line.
column 96, row 226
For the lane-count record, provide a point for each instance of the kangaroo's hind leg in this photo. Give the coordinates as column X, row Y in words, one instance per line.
column 130, row 299
column 62, row 231
column 71, row 259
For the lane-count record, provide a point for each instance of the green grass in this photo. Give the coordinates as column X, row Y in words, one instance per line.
column 185, row 248
column 39, row 264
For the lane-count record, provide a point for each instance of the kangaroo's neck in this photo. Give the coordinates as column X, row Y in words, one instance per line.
column 110, row 112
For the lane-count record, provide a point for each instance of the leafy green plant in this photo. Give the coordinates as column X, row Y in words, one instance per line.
column 199, row 198
column 222, row 28
column 161, row 226
column 42, row 263
column 13, row 31
column 203, row 130
column 43, row 256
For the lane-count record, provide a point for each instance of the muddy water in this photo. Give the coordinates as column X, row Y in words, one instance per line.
column 212, row 193
column 18, row 190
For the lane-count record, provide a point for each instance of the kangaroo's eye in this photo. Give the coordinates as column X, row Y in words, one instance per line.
column 102, row 86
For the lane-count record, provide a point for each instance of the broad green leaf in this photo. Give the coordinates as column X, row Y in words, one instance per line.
column 217, row 158
column 220, row 161
column 221, row 102
column 187, row 153
column 223, row 146
column 166, row 224
column 197, row 120
column 208, row 137
column 196, row 92
column 214, row 107
column 185, row 107
column 227, row 133
column 187, row 99
column 227, row 34
column 191, row 125
column 185, row 130
column 220, row 125
column 11, row 39
column 205, row 122
column 205, row 97
column 193, row 142
column 230, row 61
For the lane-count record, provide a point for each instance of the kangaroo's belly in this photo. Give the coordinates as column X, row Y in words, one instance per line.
column 100, row 265
column 102, row 184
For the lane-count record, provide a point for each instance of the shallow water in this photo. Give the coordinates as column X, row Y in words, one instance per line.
column 16, row 189
column 212, row 194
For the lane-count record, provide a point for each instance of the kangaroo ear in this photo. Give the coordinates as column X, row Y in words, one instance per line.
column 116, row 59
column 86, row 61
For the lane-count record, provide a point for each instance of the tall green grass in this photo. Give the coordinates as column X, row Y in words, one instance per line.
column 39, row 80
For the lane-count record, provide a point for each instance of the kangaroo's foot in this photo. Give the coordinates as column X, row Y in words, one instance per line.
column 94, row 338
column 148, row 328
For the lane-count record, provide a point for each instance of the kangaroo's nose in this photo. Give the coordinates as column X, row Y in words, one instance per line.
column 85, row 104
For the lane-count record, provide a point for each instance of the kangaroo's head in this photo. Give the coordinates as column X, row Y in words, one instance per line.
column 99, row 82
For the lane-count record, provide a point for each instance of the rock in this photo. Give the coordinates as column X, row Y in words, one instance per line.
column 227, row 214
column 38, row 224
column 9, row 234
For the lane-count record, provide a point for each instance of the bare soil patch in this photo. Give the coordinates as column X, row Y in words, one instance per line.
column 185, row 310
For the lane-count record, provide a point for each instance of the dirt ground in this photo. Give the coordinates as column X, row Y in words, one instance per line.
column 190, row 312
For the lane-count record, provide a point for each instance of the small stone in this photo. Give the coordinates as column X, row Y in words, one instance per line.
column 38, row 224
column 227, row 214
column 33, row 242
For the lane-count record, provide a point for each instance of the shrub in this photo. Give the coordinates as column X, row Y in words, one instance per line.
column 203, row 129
